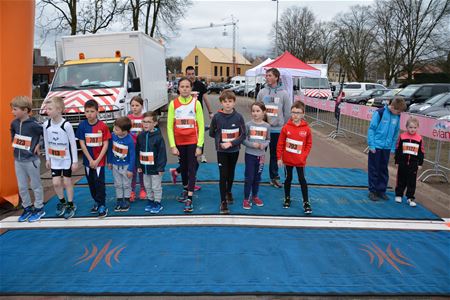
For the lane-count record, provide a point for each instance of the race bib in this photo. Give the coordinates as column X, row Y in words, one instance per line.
column 56, row 152
column 258, row 133
column 146, row 158
column 294, row 146
column 411, row 148
column 93, row 139
column 272, row 110
column 229, row 135
column 185, row 123
column 136, row 126
column 22, row 142
column 119, row 150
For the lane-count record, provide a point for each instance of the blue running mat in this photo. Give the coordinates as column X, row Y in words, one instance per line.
column 314, row 175
column 224, row 260
column 326, row 202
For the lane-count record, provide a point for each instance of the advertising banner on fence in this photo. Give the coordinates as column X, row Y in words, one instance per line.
column 429, row 127
column 316, row 103
column 357, row 111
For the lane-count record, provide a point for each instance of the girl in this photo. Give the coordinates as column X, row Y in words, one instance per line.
column 186, row 131
column 136, row 118
column 256, row 141
column 293, row 148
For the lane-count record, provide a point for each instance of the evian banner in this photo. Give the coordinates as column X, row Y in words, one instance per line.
column 316, row 103
column 429, row 127
column 357, row 111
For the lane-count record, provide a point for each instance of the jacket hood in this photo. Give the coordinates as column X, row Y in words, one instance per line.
column 303, row 123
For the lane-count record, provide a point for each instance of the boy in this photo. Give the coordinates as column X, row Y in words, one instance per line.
column 121, row 159
column 228, row 130
column 151, row 160
column 25, row 135
column 61, row 155
column 382, row 137
column 293, row 148
column 94, row 137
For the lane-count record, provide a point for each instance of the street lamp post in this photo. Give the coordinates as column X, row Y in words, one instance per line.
column 276, row 31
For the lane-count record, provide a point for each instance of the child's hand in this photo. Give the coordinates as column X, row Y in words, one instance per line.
column 373, row 150
column 92, row 164
column 48, row 164
column 419, row 167
column 262, row 147
column 95, row 163
column 226, row 145
column 198, row 151
column 280, row 163
column 110, row 166
column 37, row 149
column 256, row 145
column 74, row 167
column 160, row 173
column 129, row 174
column 175, row 151
column 139, row 170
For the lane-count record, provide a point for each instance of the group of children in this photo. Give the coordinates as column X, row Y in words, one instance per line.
column 136, row 149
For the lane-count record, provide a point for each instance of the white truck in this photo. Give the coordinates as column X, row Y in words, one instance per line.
column 110, row 68
column 314, row 87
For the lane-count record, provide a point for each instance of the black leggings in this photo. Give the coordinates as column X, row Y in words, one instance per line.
column 301, row 179
column 188, row 165
column 227, row 164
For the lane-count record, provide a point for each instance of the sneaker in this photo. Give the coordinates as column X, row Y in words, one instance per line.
column 70, row 211
column 203, row 158
column 183, row 196
column 188, row 207
column 60, row 209
column 132, row 196
column 197, row 188
column 411, row 202
column 229, row 198
column 156, row 208
column 246, row 204
column 125, row 206
column 398, row 199
column 102, row 211
column 118, row 205
column 149, row 206
column 27, row 212
column 174, row 175
column 287, row 202
column 257, row 201
column 224, row 208
column 276, row 183
column 307, row 208
column 94, row 209
column 373, row 196
column 142, row 195
column 384, row 196
column 37, row 215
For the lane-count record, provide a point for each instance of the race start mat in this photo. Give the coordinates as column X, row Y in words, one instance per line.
column 224, row 260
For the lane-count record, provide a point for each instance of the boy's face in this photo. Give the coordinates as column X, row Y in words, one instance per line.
column 412, row 128
column 90, row 113
column 271, row 79
column 297, row 114
column 394, row 111
column 149, row 124
column 228, row 104
column 119, row 132
column 19, row 113
column 52, row 110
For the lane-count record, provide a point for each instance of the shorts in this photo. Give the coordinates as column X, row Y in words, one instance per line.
column 63, row 172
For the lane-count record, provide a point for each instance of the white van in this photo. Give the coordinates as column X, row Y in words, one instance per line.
column 356, row 88
column 237, row 80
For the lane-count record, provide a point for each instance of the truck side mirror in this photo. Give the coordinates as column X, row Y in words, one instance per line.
column 135, row 85
column 333, row 88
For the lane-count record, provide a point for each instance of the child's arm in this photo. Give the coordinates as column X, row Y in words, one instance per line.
column 109, row 154
column 162, row 157
column 241, row 137
column 246, row 142
column 170, row 119
column 72, row 144
column 37, row 131
column 102, row 153
column 200, row 123
column 213, row 127
column 421, row 154
column 395, row 138
column 286, row 109
column 208, row 106
column 398, row 151
column 281, row 144
column 80, row 136
column 372, row 129
column 266, row 142
column 47, row 158
column 132, row 154
column 12, row 131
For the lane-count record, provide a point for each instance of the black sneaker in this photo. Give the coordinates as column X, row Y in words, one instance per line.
column 94, row 209
column 70, row 211
column 276, row 183
column 229, row 198
column 60, row 209
column 224, row 208
column 188, row 207
column 118, row 205
column 373, row 196
column 383, row 196
column 287, row 202
column 307, row 208
column 125, row 206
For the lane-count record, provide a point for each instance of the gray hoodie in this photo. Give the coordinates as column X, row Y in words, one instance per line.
column 29, row 128
column 277, row 104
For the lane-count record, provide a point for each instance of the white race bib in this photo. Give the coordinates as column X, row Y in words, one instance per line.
column 119, row 150
column 56, row 152
column 411, row 148
column 93, row 139
column 22, row 142
column 136, row 126
column 272, row 110
column 147, row 158
column 294, row 146
column 229, row 135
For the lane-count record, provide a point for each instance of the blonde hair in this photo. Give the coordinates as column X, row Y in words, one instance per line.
column 58, row 102
column 22, row 102
column 412, row 120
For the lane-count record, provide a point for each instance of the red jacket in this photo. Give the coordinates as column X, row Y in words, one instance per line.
column 294, row 144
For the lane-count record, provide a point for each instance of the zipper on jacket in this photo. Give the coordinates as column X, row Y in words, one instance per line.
column 20, row 132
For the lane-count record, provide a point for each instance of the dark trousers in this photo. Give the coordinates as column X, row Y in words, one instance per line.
column 254, row 166
column 96, row 181
column 378, row 170
column 227, row 164
column 406, row 179
column 273, row 166
column 301, row 179
column 188, row 165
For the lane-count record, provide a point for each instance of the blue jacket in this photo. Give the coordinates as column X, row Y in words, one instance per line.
column 151, row 141
column 116, row 158
column 30, row 128
column 383, row 130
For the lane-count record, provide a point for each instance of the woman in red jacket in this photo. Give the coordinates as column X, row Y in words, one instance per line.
column 293, row 148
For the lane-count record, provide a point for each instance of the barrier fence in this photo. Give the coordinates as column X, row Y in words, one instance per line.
column 354, row 119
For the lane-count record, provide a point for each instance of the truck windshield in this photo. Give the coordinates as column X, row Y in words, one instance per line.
column 82, row 76
column 315, row 83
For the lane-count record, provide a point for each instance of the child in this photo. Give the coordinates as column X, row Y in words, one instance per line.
column 257, row 139
column 186, row 130
column 25, row 135
column 409, row 158
column 61, row 155
column 151, row 160
column 136, row 117
column 382, row 137
column 94, row 137
column 121, row 159
column 228, row 130
column 293, row 148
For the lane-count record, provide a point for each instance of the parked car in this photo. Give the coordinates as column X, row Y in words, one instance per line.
column 239, row 90
column 437, row 105
column 380, row 101
column 362, row 99
column 215, row 87
column 356, row 88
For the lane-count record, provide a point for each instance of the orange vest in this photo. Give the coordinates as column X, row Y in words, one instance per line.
column 185, row 129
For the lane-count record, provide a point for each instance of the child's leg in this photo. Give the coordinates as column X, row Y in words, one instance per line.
column 118, row 181
column 303, row 184
column 127, row 183
column 22, row 173
column 134, row 179
column 411, row 179
column 141, row 182
column 157, row 187
column 273, row 166
column 34, row 172
column 222, row 161
column 383, row 172
column 249, row 174
column 287, row 182
column 401, row 181
column 259, row 167
column 69, row 188
column 100, row 185
column 183, row 158
column 232, row 160
column 91, row 178
column 148, row 186
column 58, row 186
column 373, row 171
column 191, row 168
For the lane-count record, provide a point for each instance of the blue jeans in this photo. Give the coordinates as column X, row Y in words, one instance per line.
column 254, row 166
column 378, row 170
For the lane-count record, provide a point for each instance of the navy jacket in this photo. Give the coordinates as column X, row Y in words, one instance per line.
column 222, row 123
column 151, row 141
column 29, row 128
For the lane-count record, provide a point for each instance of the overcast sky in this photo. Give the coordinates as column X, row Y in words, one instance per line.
column 255, row 20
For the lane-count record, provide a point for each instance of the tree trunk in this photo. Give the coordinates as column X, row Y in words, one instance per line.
column 73, row 15
column 155, row 17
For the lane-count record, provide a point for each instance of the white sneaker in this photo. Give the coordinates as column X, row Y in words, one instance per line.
column 203, row 158
column 411, row 202
column 398, row 199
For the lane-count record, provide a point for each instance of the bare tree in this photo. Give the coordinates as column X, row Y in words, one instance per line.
column 66, row 14
column 326, row 42
column 97, row 15
column 173, row 64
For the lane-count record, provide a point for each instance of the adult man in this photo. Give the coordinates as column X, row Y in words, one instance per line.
column 278, row 107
